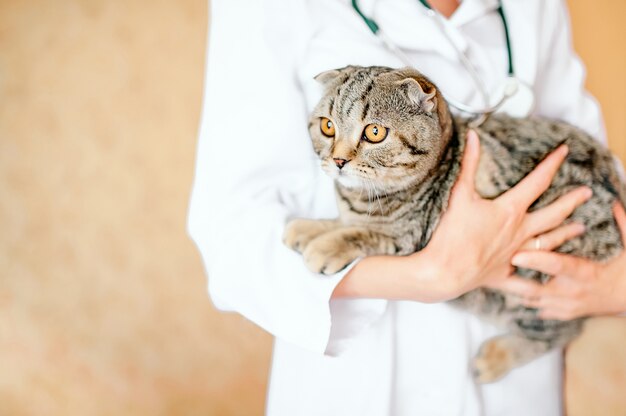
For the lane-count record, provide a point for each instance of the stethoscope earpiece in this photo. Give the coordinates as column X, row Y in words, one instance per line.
column 511, row 87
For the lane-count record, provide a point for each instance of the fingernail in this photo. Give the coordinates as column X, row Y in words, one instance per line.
column 579, row 228
column 518, row 260
column 471, row 136
column 564, row 149
column 587, row 192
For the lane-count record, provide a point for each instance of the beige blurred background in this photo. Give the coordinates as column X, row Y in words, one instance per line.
column 103, row 307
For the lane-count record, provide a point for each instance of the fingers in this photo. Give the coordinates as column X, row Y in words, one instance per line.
column 521, row 287
column 551, row 302
column 553, row 215
column 553, row 239
column 620, row 218
column 536, row 182
column 469, row 165
column 541, row 302
column 552, row 263
column 559, row 312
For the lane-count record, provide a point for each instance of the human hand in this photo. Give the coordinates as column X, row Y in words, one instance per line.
column 476, row 238
column 579, row 287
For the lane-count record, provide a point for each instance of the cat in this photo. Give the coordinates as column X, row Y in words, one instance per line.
column 393, row 183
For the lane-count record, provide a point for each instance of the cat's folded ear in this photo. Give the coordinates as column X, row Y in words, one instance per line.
column 327, row 77
column 422, row 94
column 417, row 87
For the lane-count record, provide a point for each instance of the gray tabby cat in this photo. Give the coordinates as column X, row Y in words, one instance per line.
column 389, row 132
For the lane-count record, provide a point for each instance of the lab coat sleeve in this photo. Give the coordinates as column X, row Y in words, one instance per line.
column 254, row 170
column 560, row 88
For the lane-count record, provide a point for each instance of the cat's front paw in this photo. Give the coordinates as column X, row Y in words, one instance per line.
column 494, row 360
column 328, row 255
column 299, row 232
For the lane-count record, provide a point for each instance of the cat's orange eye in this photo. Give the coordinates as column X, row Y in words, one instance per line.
column 327, row 127
column 375, row 133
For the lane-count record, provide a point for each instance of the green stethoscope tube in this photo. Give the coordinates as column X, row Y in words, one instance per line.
column 369, row 22
column 373, row 26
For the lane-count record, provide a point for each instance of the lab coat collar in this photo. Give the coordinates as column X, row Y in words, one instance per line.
column 470, row 10
column 406, row 23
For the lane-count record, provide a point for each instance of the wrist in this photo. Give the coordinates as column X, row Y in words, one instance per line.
column 435, row 278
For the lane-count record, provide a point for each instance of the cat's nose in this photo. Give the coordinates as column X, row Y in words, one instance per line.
column 340, row 162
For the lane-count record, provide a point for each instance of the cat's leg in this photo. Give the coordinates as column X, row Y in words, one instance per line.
column 299, row 232
column 499, row 355
column 334, row 250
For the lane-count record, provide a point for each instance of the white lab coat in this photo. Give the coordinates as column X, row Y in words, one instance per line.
column 256, row 169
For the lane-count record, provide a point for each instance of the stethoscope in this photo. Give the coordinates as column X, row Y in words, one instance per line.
column 517, row 95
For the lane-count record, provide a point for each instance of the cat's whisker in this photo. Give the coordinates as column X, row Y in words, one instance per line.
column 375, row 193
column 369, row 199
column 386, row 195
column 382, row 211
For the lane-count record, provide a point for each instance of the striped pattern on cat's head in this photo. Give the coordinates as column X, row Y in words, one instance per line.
column 379, row 126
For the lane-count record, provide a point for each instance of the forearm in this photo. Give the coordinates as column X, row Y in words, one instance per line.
column 411, row 277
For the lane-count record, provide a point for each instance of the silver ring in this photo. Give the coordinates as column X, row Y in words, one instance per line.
column 537, row 243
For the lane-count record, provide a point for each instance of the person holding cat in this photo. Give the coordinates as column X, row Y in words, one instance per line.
column 374, row 339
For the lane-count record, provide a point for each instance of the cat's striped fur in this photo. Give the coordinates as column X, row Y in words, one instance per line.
column 391, row 194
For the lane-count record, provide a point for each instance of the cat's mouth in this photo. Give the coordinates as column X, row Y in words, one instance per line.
column 349, row 181
column 358, row 178
column 353, row 176
column 345, row 177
